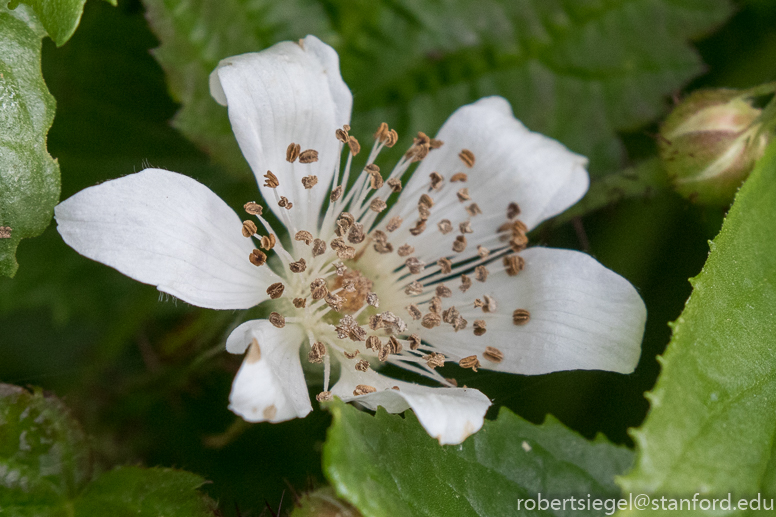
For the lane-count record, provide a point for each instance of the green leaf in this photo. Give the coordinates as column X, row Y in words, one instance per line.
column 60, row 18
column 388, row 465
column 29, row 177
column 46, row 467
column 577, row 71
column 711, row 427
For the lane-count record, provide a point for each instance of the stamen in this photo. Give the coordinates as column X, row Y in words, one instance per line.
column 298, row 266
column 377, row 205
column 463, row 195
column 482, row 251
column 436, row 180
column 473, row 209
column 481, row 273
column 363, row 389
column 249, row 229
column 395, row 345
column 405, row 250
column 308, row 156
column 450, row 315
column 414, row 340
column 435, row 305
column 414, row 312
column 300, row 303
column 373, row 300
column 257, row 258
column 373, row 343
column 494, row 355
column 271, row 181
column 304, row 236
column 431, row 320
column 277, row 320
column 395, row 184
column 479, row 329
column 414, row 288
column 324, row 396
column 342, row 134
column 253, row 208
column 489, row 305
column 443, row 291
column 318, row 289
column 356, row 234
column 458, row 176
column 470, row 362
column 285, row 203
column 336, row 193
column 355, row 147
column 309, row 181
column 362, row 365
column 394, row 223
column 467, row 157
column 459, row 244
column 460, row 324
column 275, row 290
column 466, row 283
column 415, row 265
column 319, row 247
column 334, row 301
column 268, row 241
column 513, row 264
column 445, row 226
column 521, row 317
column 292, row 152
column 434, row 360
column 465, row 227
column 419, row 227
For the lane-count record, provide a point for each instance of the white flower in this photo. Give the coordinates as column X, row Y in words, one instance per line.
column 357, row 283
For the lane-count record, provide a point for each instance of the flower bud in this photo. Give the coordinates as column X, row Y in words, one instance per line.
column 709, row 144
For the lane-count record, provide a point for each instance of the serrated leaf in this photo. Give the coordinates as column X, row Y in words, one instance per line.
column 711, row 427
column 29, row 177
column 386, row 465
column 576, row 71
column 60, row 18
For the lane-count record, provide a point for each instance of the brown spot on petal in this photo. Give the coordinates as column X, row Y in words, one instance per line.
column 270, row 412
column 254, row 352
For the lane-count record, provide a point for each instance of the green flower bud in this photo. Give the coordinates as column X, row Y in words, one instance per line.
column 709, row 144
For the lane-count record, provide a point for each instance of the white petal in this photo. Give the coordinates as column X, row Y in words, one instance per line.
column 582, row 317
column 270, row 384
column 448, row 414
column 291, row 92
column 168, row 230
column 512, row 164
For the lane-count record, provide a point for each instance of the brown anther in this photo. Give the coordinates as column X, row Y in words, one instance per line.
column 445, row 265
column 377, row 205
column 275, row 290
column 481, row 273
column 482, row 251
column 473, row 209
column 292, row 152
column 381, row 132
column 450, row 315
column 459, row 244
column 308, row 156
column 338, row 244
column 372, row 300
column 248, row 228
column 384, row 352
column 459, row 324
column 479, row 329
column 257, row 258
column 417, row 152
column 316, row 353
column 518, row 242
column 271, row 180
column 392, row 323
column 253, row 208
column 433, row 143
column 277, row 319
column 319, row 247
column 268, row 241
column 467, row 157
column 340, row 267
column 373, row 343
column 434, row 360
column 372, row 168
column 318, row 288
column 431, row 320
column 324, row 396
column 363, row 389
column 356, row 234
column 346, row 253
column 362, row 365
column 304, row 236
column 435, row 305
column 341, row 135
column 300, row 303
column 436, row 180
column 334, row 301
column 420, row 226
column 478, row 303
column 470, row 362
column 422, row 138
column 445, row 226
column 513, row 210
column 414, row 288
column 513, row 264
column 414, row 341
column 375, row 181
column 298, row 267
column 415, row 265
column 459, row 176
column 309, row 181
column 424, row 212
column 351, row 355
column 285, row 203
column 336, row 193
column 443, row 291
column 394, row 223
column 355, row 147
column 405, row 250
column 463, row 194
column 466, row 283
column 425, row 200
column 465, row 227
column 383, row 247
column 521, row 317
column 494, row 355
column 392, row 138
column 414, row 312
column 395, row 345
column 395, row 184
column 513, row 227
column 489, row 305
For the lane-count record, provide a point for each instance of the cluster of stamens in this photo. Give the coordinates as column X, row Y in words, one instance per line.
column 332, row 274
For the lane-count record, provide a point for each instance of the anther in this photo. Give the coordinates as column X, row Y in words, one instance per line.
column 414, row 340
column 436, row 180
column 431, row 320
column 414, row 288
column 268, row 241
column 324, row 396
column 435, row 305
column 466, row 283
column 356, row 234
column 434, row 360
column 443, row 291
column 445, row 226
column 405, row 250
column 458, row 176
column 249, row 229
column 383, row 247
column 253, row 208
column 494, row 355
column 334, row 301
column 479, row 328
column 351, row 355
column 459, row 244
column 395, row 184
column 520, row 317
column 342, row 135
column 292, row 153
column 450, row 315
column 300, row 303
column 513, row 210
column 394, row 223
column 319, row 247
column 271, row 180
column 481, row 273
column 355, row 147
column 316, row 353
column 362, row 365
column 275, row 290
column 414, row 312
column 415, row 265
column 372, row 300
column 392, row 138
column 318, row 288
column 467, row 157
column 445, row 265
column 381, row 132
column 285, row 203
column 518, row 242
column 336, row 193
column 465, row 227
column 277, row 320
column 513, row 264
column 470, row 362
column 463, row 194
column 395, row 345
column 425, row 200
column 420, row 226
column 363, row 389
column 308, row 156
column 482, row 251
column 257, row 258
column 373, row 343
column 435, row 144
column 384, row 352
column 489, row 305
column 473, row 209
column 304, row 236
column 375, row 180
column 460, row 323
column 298, row 267
column 309, row 181
column 377, row 205
column 340, row 267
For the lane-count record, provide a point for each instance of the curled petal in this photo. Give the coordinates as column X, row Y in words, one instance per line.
column 270, row 384
column 167, row 230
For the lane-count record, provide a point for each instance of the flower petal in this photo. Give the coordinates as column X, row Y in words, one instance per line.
column 448, row 414
column 290, row 92
column 168, row 230
column 270, row 384
column 512, row 164
column 582, row 317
